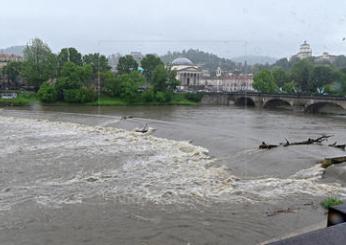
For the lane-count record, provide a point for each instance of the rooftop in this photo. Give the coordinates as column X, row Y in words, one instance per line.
column 182, row 61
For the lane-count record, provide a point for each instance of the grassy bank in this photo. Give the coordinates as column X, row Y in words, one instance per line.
column 29, row 98
column 23, row 99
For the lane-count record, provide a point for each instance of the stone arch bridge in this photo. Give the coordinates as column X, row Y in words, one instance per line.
column 307, row 103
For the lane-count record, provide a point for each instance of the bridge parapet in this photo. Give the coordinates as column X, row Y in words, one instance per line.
column 262, row 100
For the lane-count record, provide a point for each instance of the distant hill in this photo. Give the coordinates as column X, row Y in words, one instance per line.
column 255, row 59
column 16, row 50
column 205, row 60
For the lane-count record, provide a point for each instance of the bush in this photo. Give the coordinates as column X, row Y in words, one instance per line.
column 330, row 202
column 195, row 97
column 64, row 84
column 163, row 97
column 87, row 95
column 149, row 96
column 47, row 93
column 81, row 95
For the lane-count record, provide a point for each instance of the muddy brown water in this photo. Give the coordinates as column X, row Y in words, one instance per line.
column 79, row 175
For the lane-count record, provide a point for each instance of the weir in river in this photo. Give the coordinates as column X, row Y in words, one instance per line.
column 200, row 177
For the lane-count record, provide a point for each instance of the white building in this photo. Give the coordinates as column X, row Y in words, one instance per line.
column 305, row 51
column 228, row 82
column 237, row 82
column 326, row 57
column 187, row 73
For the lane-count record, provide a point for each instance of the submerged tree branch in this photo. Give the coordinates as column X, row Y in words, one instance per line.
column 309, row 141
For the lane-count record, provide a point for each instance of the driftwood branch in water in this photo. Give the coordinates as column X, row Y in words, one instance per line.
column 266, row 146
column 309, row 141
column 335, row 145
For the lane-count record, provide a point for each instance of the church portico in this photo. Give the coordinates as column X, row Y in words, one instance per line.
column 187, row 73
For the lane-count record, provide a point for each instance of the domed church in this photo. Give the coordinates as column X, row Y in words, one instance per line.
column 187, row 73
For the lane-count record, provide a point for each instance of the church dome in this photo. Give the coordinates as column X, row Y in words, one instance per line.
column 182, row 61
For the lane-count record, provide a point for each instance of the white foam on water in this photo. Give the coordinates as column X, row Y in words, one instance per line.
column 146, row 169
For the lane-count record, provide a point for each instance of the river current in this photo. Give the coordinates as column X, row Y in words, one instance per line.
column 81, row 175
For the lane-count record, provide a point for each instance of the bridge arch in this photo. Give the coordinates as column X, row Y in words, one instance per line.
column 245, row 101
column 317, row 107
column 275, row 103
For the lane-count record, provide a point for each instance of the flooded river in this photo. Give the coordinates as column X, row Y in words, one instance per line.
column 80, row 175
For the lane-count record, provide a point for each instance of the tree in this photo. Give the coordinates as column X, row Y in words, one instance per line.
column 69, row 55
column 73, row 72
column 112, row 84
column 99, row 63
column 149, row 63
column 80, row 95
column 321, row 76
column 160, row 78
column 72, row 77
column 282, row 63
column 130, row 84
column 301, row 73
column 12, row 73
column 280, row 76
column 164, row 79
column 39, row 63
column 127, row 64
column 264, row 82
column 47, row 93
column 172, row 81
column 126, row 86
column 289, row 87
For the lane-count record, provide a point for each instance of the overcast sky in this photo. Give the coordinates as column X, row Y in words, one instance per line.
column 226, row 27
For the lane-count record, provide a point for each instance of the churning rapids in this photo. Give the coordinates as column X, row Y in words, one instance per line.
column 53, row 161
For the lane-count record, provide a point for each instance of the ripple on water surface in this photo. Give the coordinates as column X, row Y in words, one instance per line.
column 57, row 163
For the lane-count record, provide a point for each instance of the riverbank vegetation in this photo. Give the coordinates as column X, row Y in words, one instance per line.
column 22, row 99
column 331, row 202
column 70, row 77
column 306, row 76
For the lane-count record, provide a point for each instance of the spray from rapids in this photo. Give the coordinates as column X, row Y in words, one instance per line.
column 130, row 167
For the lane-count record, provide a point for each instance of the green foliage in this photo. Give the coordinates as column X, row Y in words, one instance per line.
column 108, row 101
column 164, row 79
column 321, row 76
column 149, row 96
column 126, row 86
column 81, row 95
column 280, row 76
column 290, row 87
column 98, row 64
column 23, row 99
column 195, row 97
column 163, row 97
column 264, row 82
column 112, row 84
column 39, row 63
column 282, row 64
column 301, row 73
column 127, row 64
column 12, row 73
column 72, row 72
column 47, row 93
column 160, row 78
column 69, row 55
column 130, row 83
column 331, row 202
column 149, row 63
